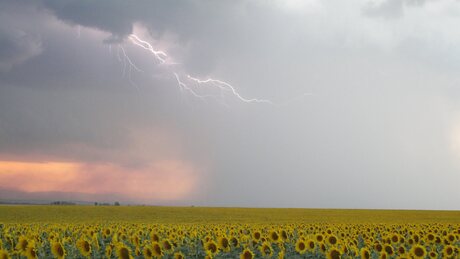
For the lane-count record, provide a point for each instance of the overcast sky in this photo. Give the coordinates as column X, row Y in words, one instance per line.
column 343, row 104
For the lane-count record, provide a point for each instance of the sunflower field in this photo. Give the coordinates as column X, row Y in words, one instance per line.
column 162, row 232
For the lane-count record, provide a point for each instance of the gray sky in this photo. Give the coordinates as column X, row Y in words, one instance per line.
column 359, row 102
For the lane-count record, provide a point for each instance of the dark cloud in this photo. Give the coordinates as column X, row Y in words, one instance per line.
column 380, row 115
column 17, row 45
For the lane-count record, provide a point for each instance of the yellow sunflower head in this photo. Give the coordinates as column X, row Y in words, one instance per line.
column 156, row 249
column 365, row 253
column 274, row 236
column 247, row 254
column 123, row 252
column 333, row 253
column 224, row 244
column 57, row 249
column 31, row 252
column 300, row 246
column 22, row 244
column 167, row 245
column 179, row 255
column 211, row 246
column 4, row 254
column 448, row 251
column 331, row 240
column 84, row 247
column 418, row 251
column 266, row 249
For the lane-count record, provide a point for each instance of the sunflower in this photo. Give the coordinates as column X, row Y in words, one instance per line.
column 123, row 252
column 384, row 255
column 234, row 241
column 4, row 254
column 300, row 246
column 378, row 247
column 179, row 255
column 333, row 253
column 223, row 244
column 84, row 247
column 418, row 251
column 211, row 246
column 31, row 252
column 107, row 232
column 448, row 251
column 281, row 254
column 209, row 255
column 284, row 235
column 266, row 249
column 57, row 249
column 433, row 254
column 332, row 240
column 394, row 238
column 154, row 237
column 274, row 236
column 147, row 252
column 401, row 250
column 389, row 249
column 311, row 245
column 22, row 244
column 431, row 238
column 167, row 245
column 365, row 254
column 451, row 238
column 108, row 251
column 256, row 235
column 319, row 238
column 156, row 249
column 246, row 254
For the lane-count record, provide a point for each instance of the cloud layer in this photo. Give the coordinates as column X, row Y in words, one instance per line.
column 380, row 129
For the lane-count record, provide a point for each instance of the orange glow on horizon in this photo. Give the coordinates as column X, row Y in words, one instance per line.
column 164, row 180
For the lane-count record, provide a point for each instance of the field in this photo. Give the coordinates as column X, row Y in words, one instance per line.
column 167, row 232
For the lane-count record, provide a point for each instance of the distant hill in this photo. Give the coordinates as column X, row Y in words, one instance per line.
column 19, row 197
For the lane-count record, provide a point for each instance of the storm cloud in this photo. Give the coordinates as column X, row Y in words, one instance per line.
column 365, row 96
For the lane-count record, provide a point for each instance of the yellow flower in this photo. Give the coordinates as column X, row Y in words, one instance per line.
column 274, row 236
column 123, row 252
column 331, row 240
column 246, row 254
column 167, row 246
column 281, row 254
column 418, row 251
column 300, row 246
column 84, row 247
column 179, row 255
column 211, row 246
column 433, row 254
column 57, row 249
column 448, row 251
column 365, row 254
column 223, row 244
column 156, row 249
column 4, row 254
column 147, row 252
column 266, row 249
column 22, row 244
column 333, row 253
column 31, row 252
column 108, row 251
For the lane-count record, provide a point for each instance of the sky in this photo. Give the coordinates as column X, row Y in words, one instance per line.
column 280, row 103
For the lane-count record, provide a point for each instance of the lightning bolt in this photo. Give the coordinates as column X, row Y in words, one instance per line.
column 224, row 86
column 186, row 82
column 161, row 57
column 126, row 60
column 158, row 54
